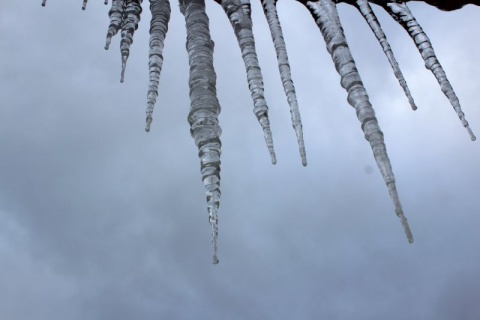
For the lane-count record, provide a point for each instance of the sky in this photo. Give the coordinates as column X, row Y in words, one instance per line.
column 101, row 220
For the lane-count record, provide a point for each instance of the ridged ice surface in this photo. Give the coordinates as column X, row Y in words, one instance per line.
column 402, row 14
column 160, row 10
column 326, row 17
column 374, row 24
column 116, row 15
column 270, row 10
column 238, row 12
column 133, row 10
column 204, row 106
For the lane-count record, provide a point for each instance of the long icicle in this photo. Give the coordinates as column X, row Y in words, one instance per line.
column 369, row 15
column 204, row 106
column 116, row 15
column 133, row 10
column 402, row 14
column 238, row 12
column 326, row 16
column 270, row 10
column 160, row 10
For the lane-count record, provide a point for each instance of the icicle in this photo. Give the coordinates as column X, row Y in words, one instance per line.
column 44, row 2
column 402, row 14
column 369, row 15
column 132, row 14
column 270, row 11
column 84, row 6
column 160, row 10
column 106, row 2
column 326, row 16
column 116, row 15
column 204, row 106
column 238, row 12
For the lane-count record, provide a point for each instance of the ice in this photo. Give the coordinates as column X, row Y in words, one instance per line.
column 160, row 10
column 374, row 24
column 204, row 106
column 84, row 6
column 402, row 14
column 270, row 11
column 133, row 10
column 44, row 2
column 116, row 15
column 326, row 16
column 238, row 12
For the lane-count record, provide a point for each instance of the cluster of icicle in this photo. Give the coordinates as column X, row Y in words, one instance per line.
column 205, row 108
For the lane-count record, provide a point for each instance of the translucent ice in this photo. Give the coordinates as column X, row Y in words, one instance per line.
column 238, row 12
column 204, row 106
column 326, row 16
column 270, row 11
column 160, row 10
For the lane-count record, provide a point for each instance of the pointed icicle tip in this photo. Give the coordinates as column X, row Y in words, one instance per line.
column 84, row 6
column 402, row 14
column 326, row 16
column 106, row 2
column 238, row 12
column 44, row 2
column 276, row 32
column 369, row 15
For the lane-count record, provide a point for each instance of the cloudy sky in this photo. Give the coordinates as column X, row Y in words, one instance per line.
column 100, row 220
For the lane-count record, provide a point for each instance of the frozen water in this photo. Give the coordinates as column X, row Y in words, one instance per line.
column 326, row 17
column 238, row 12
column 402, row 14
column 160, row 10
column 372, row 21
column 204, row 106
column 270, row 11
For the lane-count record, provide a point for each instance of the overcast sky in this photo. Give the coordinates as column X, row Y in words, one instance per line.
column 100, row 220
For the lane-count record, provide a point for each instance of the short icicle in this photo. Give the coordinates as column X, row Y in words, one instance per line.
column 116, row 15
column 326, row 16
column 133, row 10
column 204, row 106
column 106, row 2
column 270, row 10
column 160, row 10
column 238, row 12
column 402, row 14
column 84, row 6
column 369, row 15
column 44, row 2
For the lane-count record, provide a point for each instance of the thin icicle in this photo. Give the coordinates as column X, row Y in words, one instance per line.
column 44, row 2
column 270, row 10
column 402, row 14
column 84, row 6
column 369, row 15
column 160, row 10
column 238, row 12
column 116, row 15
column 326, row 16
column 204, row 106
column 133, row 10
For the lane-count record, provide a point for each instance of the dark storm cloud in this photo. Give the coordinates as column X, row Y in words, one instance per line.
column 100, row 220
